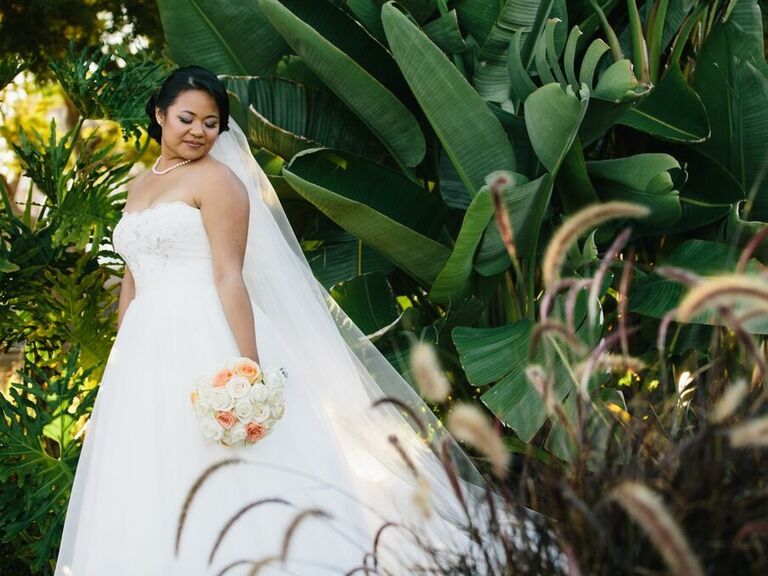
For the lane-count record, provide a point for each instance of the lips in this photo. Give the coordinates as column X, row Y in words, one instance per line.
column 193, row 144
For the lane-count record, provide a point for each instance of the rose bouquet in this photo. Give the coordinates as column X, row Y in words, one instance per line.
column 240, row 403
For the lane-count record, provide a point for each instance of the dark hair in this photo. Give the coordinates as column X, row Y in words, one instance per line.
column 187, row 78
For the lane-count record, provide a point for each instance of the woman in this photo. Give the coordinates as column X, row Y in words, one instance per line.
column 214, row 271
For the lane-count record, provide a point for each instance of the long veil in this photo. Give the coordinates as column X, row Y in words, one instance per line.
column 349, row 372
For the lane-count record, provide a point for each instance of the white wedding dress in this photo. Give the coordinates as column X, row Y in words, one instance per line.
column 143, row 449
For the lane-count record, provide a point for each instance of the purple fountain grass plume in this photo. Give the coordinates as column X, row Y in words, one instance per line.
column 750, row 434
column 468, row 423
column 429, row 377
column 576, row 225
column 647, row 509
column 729, row 402
column 722, row 289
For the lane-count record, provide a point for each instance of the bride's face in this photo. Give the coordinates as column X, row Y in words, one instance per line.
column 190, row 125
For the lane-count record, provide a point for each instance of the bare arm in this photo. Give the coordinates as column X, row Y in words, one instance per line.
column 225, row 216
column 127, row 292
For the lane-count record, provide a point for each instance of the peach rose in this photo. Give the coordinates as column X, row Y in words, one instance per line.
column 226, row 419
column 222, row 377
column 254, row 431
column 249, row 369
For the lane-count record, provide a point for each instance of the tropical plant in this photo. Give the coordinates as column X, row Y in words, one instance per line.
column 57, row 285
column 455, row 92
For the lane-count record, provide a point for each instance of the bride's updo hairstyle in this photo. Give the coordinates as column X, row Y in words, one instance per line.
column 187, row 78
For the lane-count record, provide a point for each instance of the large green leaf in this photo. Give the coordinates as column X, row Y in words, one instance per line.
column 500, row 355
column 344, row 258
column 285, row 117
column 643, row 178
column 526, row 205
column 553, row 117
column 657, row 295
column 672, row 111
column 344, row 32
column 469, row 132
column 368, row 300
column 453, row 281
column 378, row 205
column 225, row 37
column 738, row 115
column 379, row 108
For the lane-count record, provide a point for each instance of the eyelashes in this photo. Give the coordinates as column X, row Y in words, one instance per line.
column 210, row 126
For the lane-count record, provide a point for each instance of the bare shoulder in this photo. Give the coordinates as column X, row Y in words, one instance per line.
column 135, row 184
column 219, row 183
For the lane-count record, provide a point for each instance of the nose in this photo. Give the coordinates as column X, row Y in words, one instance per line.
column 196, row 129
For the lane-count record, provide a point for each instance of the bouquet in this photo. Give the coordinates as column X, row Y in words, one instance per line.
column 240, row 403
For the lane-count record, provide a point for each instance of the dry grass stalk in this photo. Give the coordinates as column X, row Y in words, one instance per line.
column 239, row 514
column 584, row 220
column 750, row 248
column 729, row 402
column 597, row 281
column 191, row 494
column 427, row 373
column 750, row 434
column 468, row 423
column 647, row 509
column 422, row 495
column 498, row 182
column 717, row 291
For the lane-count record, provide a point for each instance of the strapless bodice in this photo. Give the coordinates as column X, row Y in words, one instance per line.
column 166, row 247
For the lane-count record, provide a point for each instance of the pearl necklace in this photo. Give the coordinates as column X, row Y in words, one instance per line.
column 161, row 172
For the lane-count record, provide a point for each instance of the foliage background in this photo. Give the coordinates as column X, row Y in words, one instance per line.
column 399, row 138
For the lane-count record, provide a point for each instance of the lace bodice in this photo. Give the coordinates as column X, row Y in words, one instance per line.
column 165, row 246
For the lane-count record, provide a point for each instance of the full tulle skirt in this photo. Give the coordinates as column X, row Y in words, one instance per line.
column 143, row 452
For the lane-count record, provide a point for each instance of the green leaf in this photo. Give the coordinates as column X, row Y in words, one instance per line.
column 642, row 178
column 526, row 205
column 500, row 355
column 368, row 300
column 553, row 117
column 226, row 37
column 657, row 295
column 378, row 205
column 734, row 89
column 617, row 83
column 379, row 108
column 444, row 31
column 345, row 259
column 476, row 148
column 452, row 282
column 672, row 111
column 286, row 117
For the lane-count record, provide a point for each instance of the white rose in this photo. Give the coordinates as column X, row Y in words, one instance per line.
column 243, row 410
column 203, row 383
column 275, row 378
column 258, row 393
column 211, row 430
column 237, row 433
column 275, row 397
column 278, row 411
column 221, row 400
column 260, row 413
column 203, row 408
column 238, row 386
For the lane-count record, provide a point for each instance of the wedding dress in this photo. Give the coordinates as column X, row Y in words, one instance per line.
column 143, row 448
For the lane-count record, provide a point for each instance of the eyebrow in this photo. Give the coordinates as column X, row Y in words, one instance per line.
column 209, row 115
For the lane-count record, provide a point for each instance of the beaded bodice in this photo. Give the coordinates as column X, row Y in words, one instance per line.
column 165, row 246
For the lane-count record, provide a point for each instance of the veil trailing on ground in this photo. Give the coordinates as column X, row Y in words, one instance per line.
column 350, row 374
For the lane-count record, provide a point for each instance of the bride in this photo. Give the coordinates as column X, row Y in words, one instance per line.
column 213, row 271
